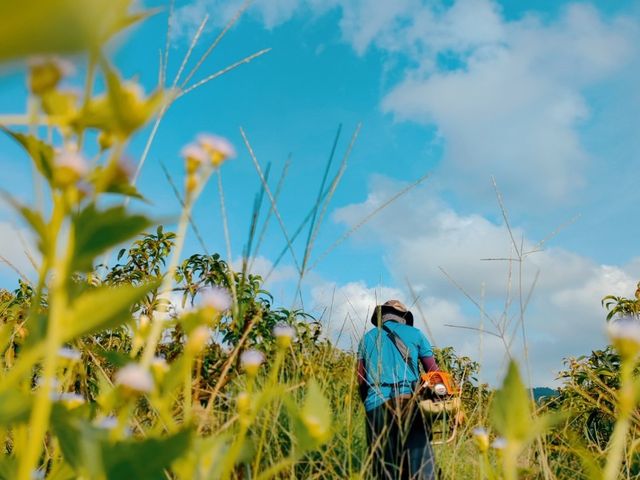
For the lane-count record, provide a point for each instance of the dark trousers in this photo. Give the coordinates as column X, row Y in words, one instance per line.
column 399, row 442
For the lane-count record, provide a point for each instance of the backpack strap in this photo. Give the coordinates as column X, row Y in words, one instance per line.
column 401, row 347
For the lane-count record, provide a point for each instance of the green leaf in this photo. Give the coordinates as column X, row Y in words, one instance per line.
column 79, row 441
column 114, row 357
column 15, row 407
column 40, row 152
column 8, row 468
column 35, row 221
column 89, row 451
column 98, row 230
column 60, row 26
column 511, row 407
column 146, row 459
column 102, row 308
column 125, row 189
column 311, row 424
column 62, row 471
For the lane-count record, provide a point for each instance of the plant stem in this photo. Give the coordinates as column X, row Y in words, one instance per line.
column 626, row 402
column 167, row 283
column 58, row 303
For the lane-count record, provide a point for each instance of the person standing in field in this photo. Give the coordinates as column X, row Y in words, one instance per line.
column 388, row 372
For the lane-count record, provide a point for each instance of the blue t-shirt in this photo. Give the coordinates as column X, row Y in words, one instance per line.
column 384, row 364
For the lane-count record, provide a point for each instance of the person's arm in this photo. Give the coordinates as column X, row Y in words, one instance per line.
column 429, row 364
column 363, row 387
column 425, row 354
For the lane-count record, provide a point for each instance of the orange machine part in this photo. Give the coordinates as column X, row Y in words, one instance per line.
column 433, row 378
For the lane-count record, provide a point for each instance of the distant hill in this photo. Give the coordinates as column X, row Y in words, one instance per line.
column 539, row 392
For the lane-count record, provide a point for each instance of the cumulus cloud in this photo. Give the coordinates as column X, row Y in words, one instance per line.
column 506, row 95
column 512, row 103
column 563, row 318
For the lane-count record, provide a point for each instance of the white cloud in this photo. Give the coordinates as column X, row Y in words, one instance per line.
column 507, row 96
column 514, row 104
column 421, row 233
column 345, row 310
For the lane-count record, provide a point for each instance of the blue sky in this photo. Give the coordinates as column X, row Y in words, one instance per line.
column 540, row 95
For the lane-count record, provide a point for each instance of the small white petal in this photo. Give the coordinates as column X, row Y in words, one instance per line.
column 500, row 443
column 625, row 328
column 71, row 159
column 217, row 298
column 218, row 144
column 107, row 423
column 194, row 152
column 67, row 397
column 134, row 377
column 479, row 432
column 251, row 358
column 284, row 330
column 69, row 354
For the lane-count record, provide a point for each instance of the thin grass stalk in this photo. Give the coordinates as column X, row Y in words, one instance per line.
column 255, row 215
column 219, row 73
column 366, row 219
column 167, row 282
column 314, row 209
column 270, row 196
column 215, row 43
column 227, row 239
column 276, row 196
column 193, row 225
column 164, row 64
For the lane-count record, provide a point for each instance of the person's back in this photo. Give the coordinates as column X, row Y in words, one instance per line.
column 388, row 370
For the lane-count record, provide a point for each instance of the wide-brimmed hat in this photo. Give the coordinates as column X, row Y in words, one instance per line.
column 392, row 306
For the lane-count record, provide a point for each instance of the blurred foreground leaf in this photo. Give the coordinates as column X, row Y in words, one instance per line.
column 40, row 152
column 89, row 451
column 14, row 407
column 102, row 308
column 98, row 230
column 511, row 407
column 40, row 27
column 311, row 423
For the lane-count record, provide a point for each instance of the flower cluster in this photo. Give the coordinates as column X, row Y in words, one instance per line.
column 207, row 150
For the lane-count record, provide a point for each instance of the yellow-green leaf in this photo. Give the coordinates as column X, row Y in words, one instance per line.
column 102, row 308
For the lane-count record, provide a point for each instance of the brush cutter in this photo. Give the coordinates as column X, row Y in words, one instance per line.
column 440, row 404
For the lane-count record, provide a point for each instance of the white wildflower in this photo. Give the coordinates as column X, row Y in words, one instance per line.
column 218, row 148
column 625, row 335
column 500, row 443
column 69, row 166
column 72, row 400
column 135, row 378
column 481, row 438
column 251, row 361
column 107, row 423
column 217, row 298
column 194, row 155
column 69, row 354
column 198, row 340
column 284, row 334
